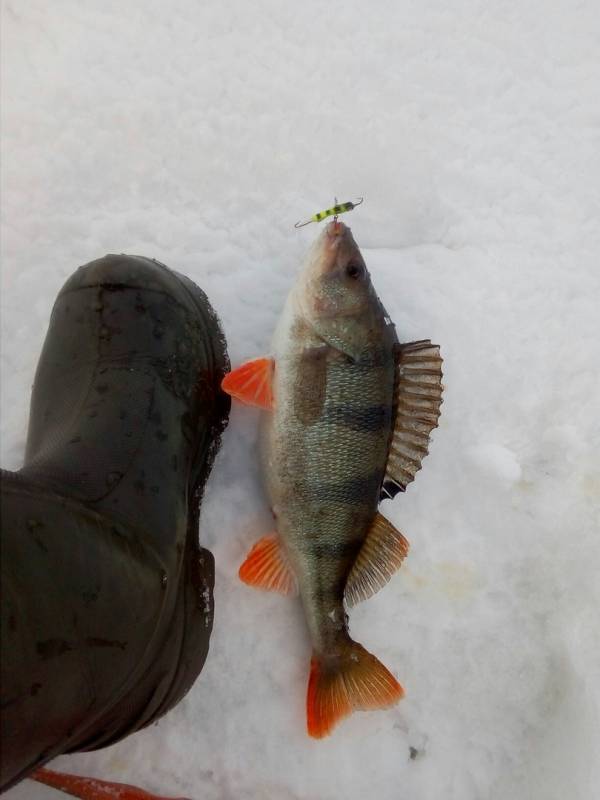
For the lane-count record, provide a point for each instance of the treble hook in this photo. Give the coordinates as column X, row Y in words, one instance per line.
column 337, row 209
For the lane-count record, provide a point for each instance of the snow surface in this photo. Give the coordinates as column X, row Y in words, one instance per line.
column 198, row 133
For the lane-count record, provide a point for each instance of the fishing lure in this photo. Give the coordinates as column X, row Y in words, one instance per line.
column 338, row 208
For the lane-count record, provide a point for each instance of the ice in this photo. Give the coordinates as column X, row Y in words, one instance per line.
column 198, row 134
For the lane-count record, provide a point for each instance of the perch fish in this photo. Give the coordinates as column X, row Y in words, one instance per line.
column 348, row 414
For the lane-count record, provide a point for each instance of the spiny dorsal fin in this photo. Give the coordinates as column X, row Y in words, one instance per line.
column 267, row 567
column 381, row 555
column 417, row 401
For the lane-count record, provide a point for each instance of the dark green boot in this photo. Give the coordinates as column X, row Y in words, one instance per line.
column 106, row 594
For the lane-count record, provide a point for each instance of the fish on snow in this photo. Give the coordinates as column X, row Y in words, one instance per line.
column 348, row 415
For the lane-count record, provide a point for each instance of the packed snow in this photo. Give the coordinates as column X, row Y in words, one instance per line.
column 198, row 133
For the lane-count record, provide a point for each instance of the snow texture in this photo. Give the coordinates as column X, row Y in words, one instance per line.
column 198, row 133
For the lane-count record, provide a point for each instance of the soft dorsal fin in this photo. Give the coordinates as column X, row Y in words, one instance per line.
column 381, row 555
column 417, row 401
column 252, row 382
column 267, row 567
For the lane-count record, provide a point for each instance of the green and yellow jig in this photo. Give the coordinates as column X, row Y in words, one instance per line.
column 338, row 208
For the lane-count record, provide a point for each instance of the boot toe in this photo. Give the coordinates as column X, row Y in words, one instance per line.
column 121, row 271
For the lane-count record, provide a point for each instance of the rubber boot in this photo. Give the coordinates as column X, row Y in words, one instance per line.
column 107, row 602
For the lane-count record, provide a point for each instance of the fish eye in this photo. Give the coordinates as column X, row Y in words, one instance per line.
column 354, row 271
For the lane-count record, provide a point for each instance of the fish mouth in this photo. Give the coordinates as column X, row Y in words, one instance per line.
column 336, row 230
column 335, row 239
column 337, row 247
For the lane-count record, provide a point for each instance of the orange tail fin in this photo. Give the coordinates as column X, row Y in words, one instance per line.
column 357, row 682
column 91, row 788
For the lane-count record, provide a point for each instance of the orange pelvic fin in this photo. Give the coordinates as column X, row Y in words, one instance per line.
column 357, row 682
column 91, row 788
column 267, row 567
column 381, row 555
column 252, row 383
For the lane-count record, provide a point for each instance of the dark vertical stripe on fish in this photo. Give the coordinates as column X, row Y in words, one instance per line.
column 333, row 548
column 309, row 394
column 370, row 419
column 353, row 491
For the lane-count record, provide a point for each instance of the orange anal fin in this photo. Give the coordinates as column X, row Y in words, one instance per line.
column 357, row 682
column 93, row 789
column 267, row 567
column 252, row 383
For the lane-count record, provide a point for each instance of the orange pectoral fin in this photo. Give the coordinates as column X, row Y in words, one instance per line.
column 266, row 567
column 91, row 788
column 252, row 383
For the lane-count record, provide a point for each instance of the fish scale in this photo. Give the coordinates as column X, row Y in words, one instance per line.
column 323, row 474
column 348, row 412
